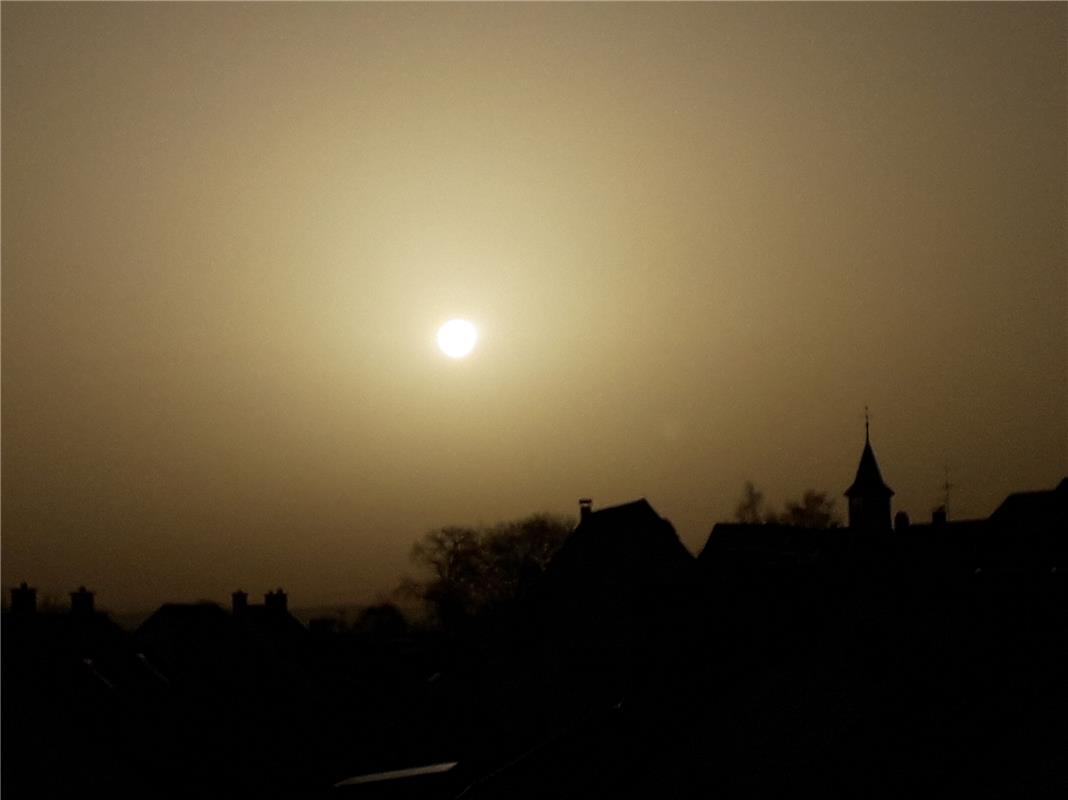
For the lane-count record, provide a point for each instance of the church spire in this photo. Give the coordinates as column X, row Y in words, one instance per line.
column 869, row 496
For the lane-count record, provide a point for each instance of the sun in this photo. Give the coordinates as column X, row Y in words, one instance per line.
column 457, row 338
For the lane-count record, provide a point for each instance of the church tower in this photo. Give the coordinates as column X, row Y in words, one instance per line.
column 869, row 497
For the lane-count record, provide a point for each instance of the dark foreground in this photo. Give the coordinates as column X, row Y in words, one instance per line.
column 839, row 678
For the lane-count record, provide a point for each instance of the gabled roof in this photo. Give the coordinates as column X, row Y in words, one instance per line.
column 632, row 513
column 760, row 538
column 869, row 480
column 629, row 542
column 259, row 620
column 634, row 527
column 1034, row 509
column 186, row 619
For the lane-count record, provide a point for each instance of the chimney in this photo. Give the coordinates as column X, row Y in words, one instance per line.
column 901, row 521
column 23, row 600
column 275, row 601
column 81, row 603
column 239, row 602
column 585, row 509
column 938, row 516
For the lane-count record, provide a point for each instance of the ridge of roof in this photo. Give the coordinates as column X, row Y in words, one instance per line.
column 641, row 504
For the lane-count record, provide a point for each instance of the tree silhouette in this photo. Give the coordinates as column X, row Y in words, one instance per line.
column 383, row 620
column 815, row 509
column 470, row 571
column 750, row 509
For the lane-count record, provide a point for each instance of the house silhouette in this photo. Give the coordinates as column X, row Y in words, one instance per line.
column 626, row 549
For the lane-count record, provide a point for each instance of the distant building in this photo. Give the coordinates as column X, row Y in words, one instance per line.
column 268, row 622
column 189, row 638
column 626, row 545
column 183, row 636
column 1028, row 530
column 620, row 565
column 1044, row 512
column 81, row 653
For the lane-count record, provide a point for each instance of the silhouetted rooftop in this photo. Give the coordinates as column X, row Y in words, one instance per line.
column 789, row 542
column 633, row 527
column 1034, row 509
column 191, row 612
column 186, row 621
column 625, row 544
column 261, row 620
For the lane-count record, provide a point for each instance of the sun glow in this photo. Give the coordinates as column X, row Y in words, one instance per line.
column 457, row 338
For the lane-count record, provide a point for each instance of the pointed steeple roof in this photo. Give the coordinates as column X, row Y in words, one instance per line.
column 869, row 480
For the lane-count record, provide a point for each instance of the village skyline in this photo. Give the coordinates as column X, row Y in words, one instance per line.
column 751, row 506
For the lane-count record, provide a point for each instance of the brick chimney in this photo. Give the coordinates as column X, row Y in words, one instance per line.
column 81, row 603
column 585, row 509
column 239, row 603
column 275, row 601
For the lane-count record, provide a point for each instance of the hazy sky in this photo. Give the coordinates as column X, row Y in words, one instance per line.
column 697, row 239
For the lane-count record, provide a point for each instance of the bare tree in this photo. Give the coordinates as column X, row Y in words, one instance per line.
column 750, row 509
column 814, row 510
column 455, row 560
column 471, row 571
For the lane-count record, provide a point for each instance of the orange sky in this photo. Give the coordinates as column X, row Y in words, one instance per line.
column 697, row 240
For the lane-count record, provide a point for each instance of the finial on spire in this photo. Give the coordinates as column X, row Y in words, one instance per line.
column 866, row 424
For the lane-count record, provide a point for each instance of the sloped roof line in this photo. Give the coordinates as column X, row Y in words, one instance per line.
column 868, row 479
column 641, row 504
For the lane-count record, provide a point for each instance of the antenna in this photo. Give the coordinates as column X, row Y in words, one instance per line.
column 866, row 423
